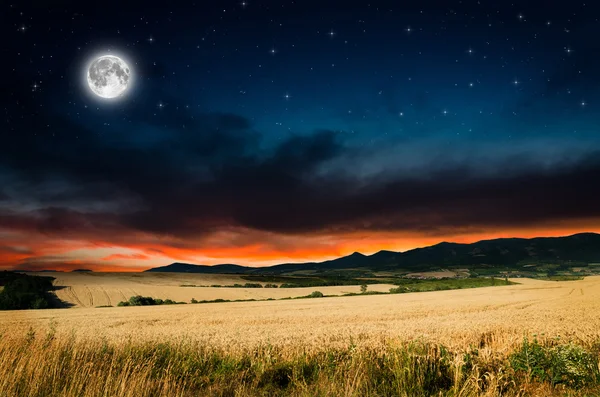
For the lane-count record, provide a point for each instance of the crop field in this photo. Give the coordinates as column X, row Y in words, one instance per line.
column 470, row 342
column 108, row 289
column 454, row 318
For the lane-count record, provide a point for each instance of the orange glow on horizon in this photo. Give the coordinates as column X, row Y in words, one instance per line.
column 259, row 249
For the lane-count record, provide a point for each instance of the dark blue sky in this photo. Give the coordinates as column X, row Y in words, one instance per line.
column 252, row 123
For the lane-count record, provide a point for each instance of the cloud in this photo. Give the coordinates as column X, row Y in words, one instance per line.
column 181, row 177
column 113, row 257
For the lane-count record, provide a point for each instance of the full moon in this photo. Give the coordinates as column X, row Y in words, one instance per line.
column 108, row 76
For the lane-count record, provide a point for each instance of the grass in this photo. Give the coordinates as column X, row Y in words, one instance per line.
column 47, row 364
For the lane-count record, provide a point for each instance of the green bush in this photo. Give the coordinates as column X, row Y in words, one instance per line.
column 316, row 294
column 399, row 290
column 253, row 285
column 23, row 292
column 139, row 300
column 566, row 364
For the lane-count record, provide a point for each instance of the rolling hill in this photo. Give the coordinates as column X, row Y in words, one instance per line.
column 506, row 253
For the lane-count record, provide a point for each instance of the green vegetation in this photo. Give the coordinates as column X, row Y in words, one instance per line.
column 416, row 369
column 329, row 280
column 194, row 301
column 568, row 364
column 139, row 300
column 412, row 285
column 21, row 292
column 564, row 278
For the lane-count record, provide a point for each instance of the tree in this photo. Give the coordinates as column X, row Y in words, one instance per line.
column 363, row 288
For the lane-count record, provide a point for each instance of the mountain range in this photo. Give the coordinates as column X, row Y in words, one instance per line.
column 506, row 253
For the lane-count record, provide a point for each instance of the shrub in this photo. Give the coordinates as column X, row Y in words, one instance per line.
column 399, row 290
column 25, row 292
column 316, row 294
column 139, row 300
column 252, row 285
column 363, row 288
column 566, row 364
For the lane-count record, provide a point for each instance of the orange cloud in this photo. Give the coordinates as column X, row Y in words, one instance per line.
column 116, row 257
column 136, row 252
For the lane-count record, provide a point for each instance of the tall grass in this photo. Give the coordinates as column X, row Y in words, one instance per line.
column 59, row 365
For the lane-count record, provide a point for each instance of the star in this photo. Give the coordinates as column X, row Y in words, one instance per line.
column 583, row 103
column 568, row 50
column 331, row 33
column 243, row 4
column 520, row 16
column 273, row 51
column 516, row 82
column 23, row 28
column 161, row 105
column 408, row 29
column 470, row 51
column 34, row 87
column 445, row 112
column 151, row 39
column 287, row 96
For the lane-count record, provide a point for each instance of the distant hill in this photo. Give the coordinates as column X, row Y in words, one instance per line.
column 511, row 253
column 187, row 268
column 81, row 271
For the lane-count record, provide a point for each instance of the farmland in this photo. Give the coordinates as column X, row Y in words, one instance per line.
column 492, row 322
column 82, row 290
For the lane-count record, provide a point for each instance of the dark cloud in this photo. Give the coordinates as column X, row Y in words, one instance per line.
column 211, row 176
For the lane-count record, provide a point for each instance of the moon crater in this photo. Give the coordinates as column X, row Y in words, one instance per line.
column 108, row 76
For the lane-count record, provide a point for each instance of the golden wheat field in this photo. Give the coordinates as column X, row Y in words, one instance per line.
column 108, row 289
column 470, row 342
column 457, row 318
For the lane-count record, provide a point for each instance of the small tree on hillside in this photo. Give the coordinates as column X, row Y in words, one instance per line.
column 363, row 288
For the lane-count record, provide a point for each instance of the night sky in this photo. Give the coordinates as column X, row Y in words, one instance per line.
column 263, row 132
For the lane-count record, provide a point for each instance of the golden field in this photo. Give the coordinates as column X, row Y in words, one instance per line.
column 446, row 343
column 455, row 318
column 108, row 289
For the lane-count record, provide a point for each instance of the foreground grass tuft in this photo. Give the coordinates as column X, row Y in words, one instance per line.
column 51, row 365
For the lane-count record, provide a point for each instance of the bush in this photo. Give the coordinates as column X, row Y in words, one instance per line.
column 566, row 364
column 271, row 286
column 316, row 294
column 23, row 292
column 363, row 288
column 399, row 290
column 139, row 300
